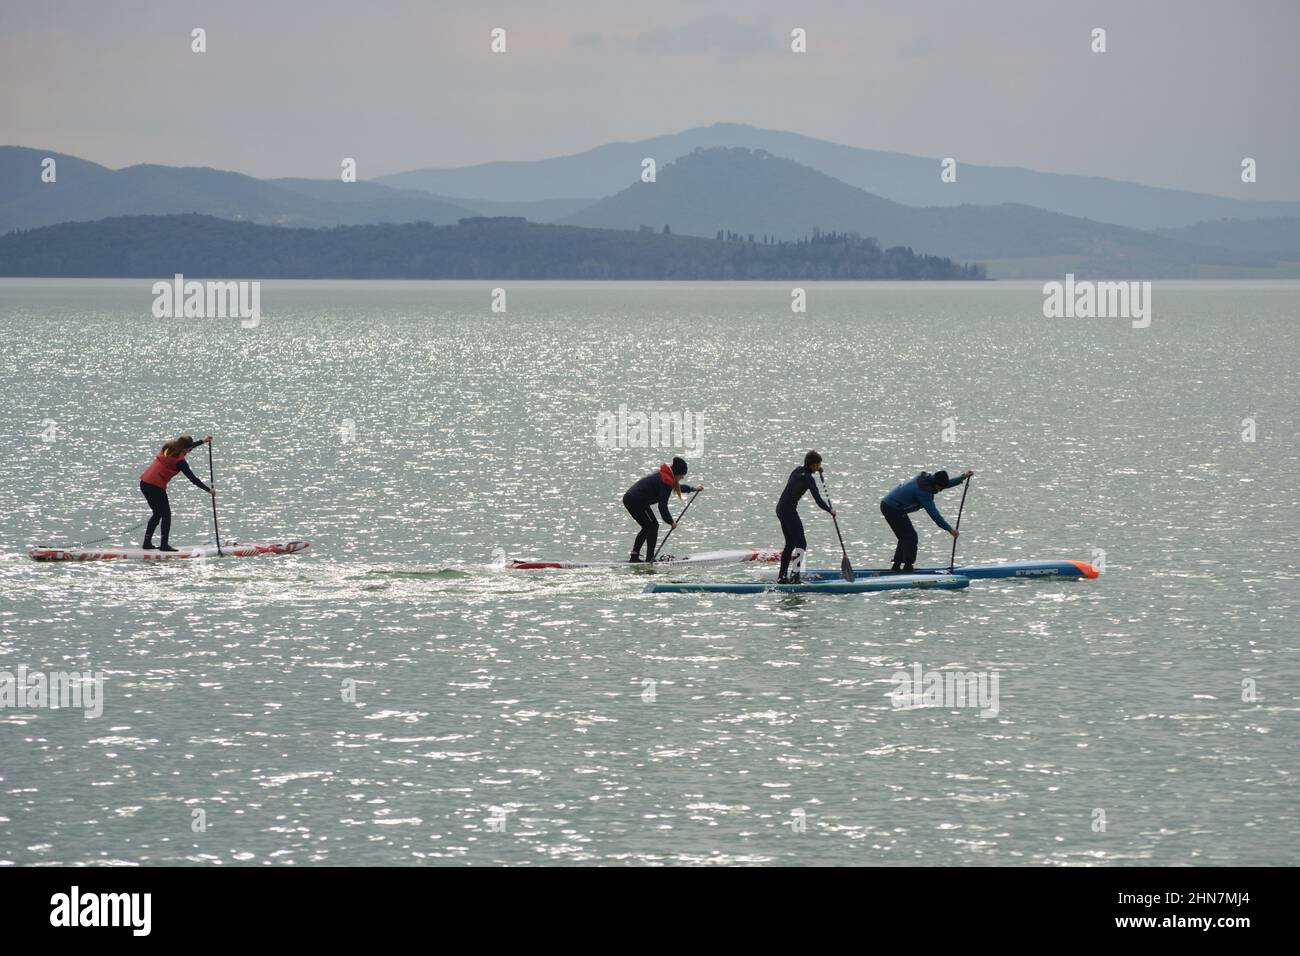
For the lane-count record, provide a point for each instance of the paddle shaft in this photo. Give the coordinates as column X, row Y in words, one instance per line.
column 846, row 567
column 952, row 561
column 212, row 479
column 655, row 556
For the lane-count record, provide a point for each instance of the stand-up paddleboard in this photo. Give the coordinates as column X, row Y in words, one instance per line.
column 250, row 549
column 893, row 582
column 1009, row 569
column 706, row 557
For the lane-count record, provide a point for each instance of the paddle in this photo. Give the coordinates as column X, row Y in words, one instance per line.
column 212, row 479
column 952, row 561
column 659, row 550
column 110, row 537
column 846, row 568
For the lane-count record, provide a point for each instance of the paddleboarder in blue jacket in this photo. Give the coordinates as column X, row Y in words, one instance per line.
column 913, row 495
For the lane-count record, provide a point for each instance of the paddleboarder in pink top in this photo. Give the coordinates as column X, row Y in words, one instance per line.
column 153, row 485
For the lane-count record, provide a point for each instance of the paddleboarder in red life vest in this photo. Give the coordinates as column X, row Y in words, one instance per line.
column 642, row 498
column 153, row 485
column 913, row 495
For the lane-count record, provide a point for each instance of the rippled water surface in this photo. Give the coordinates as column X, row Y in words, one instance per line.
column 1146, row 717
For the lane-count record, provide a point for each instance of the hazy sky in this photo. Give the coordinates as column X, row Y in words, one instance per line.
column 289, row 87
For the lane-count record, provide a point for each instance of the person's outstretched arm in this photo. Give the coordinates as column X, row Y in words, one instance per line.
column 817, row 498
column 663, row 505
column 185, row 470
column 933, row 511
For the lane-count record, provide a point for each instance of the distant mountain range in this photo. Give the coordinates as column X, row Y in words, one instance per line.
column 733, row 190
column 912, row 180
column 476, row 248
column 753, row 192
column 87, row 191
column 1280, row 237
column 386, row 204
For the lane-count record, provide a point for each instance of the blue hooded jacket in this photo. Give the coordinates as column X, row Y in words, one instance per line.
column 917, row 493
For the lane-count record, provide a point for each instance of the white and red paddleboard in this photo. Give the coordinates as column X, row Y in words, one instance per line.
column 707, row 557
column 235, row 549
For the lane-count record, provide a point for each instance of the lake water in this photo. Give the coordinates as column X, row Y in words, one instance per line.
column 505, row 717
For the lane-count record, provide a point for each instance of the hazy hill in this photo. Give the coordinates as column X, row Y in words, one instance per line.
column 20, row 172
column 87, row 191
column 390, row 204
column 1280, row 236
column 203, row 246
column 753, row 192
column 913, row 180
column 540, row 210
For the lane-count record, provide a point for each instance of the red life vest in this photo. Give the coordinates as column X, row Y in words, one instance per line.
column 668, row 478
column 162, row 470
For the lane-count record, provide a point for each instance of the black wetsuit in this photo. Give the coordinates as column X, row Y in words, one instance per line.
column 787, row 512
column 161, row 507
column 640, row 501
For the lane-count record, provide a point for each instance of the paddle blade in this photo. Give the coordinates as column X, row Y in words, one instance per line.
column 846, row 569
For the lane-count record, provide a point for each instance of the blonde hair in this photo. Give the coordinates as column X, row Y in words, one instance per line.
column 179, row 445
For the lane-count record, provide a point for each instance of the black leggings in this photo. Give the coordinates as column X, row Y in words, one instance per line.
column 792, row 528
column 162, row 510
column 649, row 533
column 901, row 525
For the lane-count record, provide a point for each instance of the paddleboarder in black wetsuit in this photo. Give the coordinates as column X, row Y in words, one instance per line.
column 787, row 511
column 653, row 490
column 913, row 495
column 153, row 485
